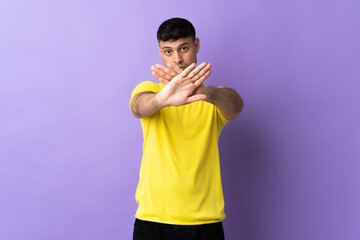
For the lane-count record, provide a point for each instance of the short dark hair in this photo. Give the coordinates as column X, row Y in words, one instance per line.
column 174, row 29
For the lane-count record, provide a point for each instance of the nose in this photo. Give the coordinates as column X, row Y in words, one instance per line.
column 177, row 57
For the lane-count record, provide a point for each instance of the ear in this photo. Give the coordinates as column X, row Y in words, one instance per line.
column 197, row 44
column 159, row 49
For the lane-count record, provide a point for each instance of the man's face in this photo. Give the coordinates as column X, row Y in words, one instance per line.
column 179, row 53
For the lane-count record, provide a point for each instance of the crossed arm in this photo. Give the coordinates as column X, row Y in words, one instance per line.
column 184, row 87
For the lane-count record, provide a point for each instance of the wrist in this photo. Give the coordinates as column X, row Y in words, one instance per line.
column 158, row 101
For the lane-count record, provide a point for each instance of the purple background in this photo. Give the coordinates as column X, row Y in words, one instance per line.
column 70, row 150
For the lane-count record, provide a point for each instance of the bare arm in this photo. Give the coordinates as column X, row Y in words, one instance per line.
column 226, row 100
column 179, row 91
column 145, row 104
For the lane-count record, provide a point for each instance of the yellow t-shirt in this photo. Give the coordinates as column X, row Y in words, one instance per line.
column 180, row 180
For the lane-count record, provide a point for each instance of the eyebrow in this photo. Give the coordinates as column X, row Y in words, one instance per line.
column 185, row 43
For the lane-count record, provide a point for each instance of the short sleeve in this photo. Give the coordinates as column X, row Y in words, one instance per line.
column 221, row 119
column 147, row 86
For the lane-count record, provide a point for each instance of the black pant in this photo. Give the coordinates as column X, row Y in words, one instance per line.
column 145, row 230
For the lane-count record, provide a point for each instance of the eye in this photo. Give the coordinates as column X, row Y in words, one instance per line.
column 167, row 51
column 184, row 49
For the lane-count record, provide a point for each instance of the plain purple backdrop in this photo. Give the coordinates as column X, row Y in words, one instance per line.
column 70, row 150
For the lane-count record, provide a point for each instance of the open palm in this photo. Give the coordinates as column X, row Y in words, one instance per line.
column 182, row 89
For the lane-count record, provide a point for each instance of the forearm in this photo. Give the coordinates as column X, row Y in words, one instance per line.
column 145, row 104
column 226, row 100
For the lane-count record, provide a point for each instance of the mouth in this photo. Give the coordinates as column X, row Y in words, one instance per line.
column 182, row 67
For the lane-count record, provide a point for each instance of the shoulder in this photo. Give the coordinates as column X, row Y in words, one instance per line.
column 147, row 86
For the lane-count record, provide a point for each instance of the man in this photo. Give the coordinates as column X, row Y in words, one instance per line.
column 179, row 192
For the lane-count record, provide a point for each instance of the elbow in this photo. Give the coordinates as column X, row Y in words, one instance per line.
column 136, row 114
column 135, row 110
column 238, row 108
column 240, row 105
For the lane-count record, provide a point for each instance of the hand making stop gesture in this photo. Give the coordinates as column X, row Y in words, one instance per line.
column 181, row 87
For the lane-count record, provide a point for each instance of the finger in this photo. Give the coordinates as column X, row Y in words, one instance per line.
column 170, row 65
column 178, row 70
column 174, row 68
column 197, row 97
column 188, row 70
column 167, row 70
column 196, row 70
column 197, row 83
column 161, row 79
column 161, row 73
column 202, row 72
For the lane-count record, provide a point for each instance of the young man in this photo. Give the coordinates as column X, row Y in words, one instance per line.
column 179, row 192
